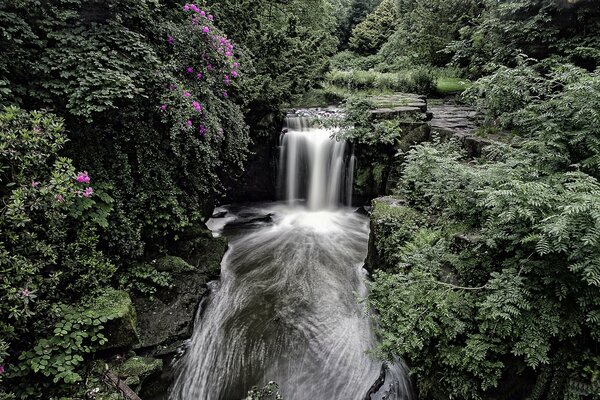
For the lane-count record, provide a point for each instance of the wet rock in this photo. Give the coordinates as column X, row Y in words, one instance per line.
column 220, row 214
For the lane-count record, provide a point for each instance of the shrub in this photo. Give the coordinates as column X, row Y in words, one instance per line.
column 49, row 253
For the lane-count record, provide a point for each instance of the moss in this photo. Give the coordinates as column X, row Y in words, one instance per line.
column 392, row 225
column 173, row 264
column 391, row 208
column 136, row 370
column 120, row 329
column 451, row 85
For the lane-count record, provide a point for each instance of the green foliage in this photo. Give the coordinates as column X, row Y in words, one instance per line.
column 368, row 36
column 425, row 28
column 417, row 80
column 288, row 43
column 540, row 29
column 497, row 285
column 49, row 252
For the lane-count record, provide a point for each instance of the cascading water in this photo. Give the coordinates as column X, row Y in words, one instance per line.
column 286, row 309
column 316, row 166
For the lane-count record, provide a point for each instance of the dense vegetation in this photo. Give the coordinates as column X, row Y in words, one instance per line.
column 122, row 123
column 489, row 282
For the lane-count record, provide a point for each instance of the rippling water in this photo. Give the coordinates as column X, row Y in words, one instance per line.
column 286, row 310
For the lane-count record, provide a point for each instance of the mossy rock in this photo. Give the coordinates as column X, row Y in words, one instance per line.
column 173, row 264
column 135, row 370
column 393, row 223
column 166, row 318
column 120, row 330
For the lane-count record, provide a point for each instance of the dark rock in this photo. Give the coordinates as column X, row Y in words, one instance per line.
column 166, row 319
column 220, row 214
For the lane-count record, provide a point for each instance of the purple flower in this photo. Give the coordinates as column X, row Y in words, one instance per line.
column 1, row 369
column 202, row 130
column 209, row 67
column 199, row 75
column 187, row 94
column 210, row 17
column 197, row 106
column 88, row 192
column 234, row 74
column 194, row 8
column 229, row 54
column 206, row 29
column 189, row 122
column 163, row 107
column 186, row 8
column 235, row 65
column 171, row 40
column 34, row 184
column 190, row 70
column 24, row 292
column 59, row 198
column 202, row 13
column 225, row 94
column 83, row 177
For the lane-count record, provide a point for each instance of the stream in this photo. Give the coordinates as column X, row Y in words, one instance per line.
column 287, row 307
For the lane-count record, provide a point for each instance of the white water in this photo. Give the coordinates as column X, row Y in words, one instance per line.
column 286, row 308
column 317, row 167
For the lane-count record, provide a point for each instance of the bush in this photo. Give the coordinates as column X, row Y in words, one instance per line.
column 49, row 256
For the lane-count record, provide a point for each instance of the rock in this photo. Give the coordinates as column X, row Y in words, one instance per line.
column 136, row 370
column 120, row 330
column 392, row 223
column 166, row 319
column 220, row 214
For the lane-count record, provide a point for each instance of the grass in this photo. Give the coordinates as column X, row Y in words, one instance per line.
column 445, row 85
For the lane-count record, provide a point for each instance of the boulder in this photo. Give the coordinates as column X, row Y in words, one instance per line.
column 166, row 318
column 120, row 330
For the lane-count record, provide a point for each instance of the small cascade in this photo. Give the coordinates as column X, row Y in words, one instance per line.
column 315, row 166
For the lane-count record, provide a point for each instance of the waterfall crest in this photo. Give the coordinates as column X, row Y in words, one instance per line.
column 315, row 166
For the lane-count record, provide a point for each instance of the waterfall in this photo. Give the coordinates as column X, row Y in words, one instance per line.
column 286, row 307
column 316, row 166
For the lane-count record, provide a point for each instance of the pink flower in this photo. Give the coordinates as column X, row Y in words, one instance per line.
column 88, row 192
column 225, row 94
column 210, row 17
column 25, row 292
column 229, row 54
column 194, row 8
column 234, row 74
column 186, row 8
column 209, row 67
column 202, row 13
column 59, row 198
column 189, row 122
column 34, row 184
column 163, row 107
column 197, row 106
column 199, row 75
column 83, row 177
column 187, row 94
column 1, row 369
column 206, row 29
column 235, row 65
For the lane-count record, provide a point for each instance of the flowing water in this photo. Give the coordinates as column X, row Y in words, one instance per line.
column 286, row 307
